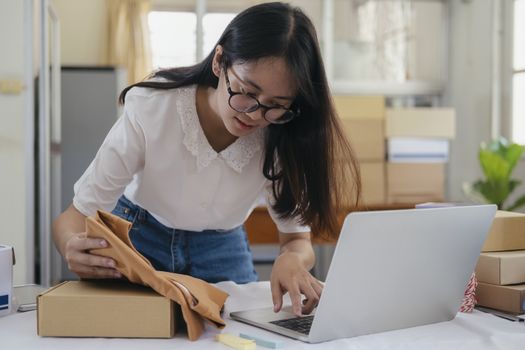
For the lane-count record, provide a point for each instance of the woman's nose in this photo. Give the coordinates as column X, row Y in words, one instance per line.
column 258, row 114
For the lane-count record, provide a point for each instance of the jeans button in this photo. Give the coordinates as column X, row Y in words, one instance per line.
column 126, row 211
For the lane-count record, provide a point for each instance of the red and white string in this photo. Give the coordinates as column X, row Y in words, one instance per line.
column 469, row 299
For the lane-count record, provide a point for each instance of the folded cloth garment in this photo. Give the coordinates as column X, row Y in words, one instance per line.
column 198, row 299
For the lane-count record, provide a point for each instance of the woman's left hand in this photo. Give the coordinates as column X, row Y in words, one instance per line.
column 290, row 276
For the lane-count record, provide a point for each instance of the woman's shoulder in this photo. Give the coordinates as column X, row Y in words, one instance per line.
column 159, row 90
column 157, row 105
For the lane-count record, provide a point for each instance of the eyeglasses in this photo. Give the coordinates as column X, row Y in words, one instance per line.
column 245, row 103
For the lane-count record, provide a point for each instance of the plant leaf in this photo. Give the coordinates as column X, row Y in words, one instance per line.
column 473, row 194
column 494, row 167
column 497, row 146
column 513, row 183
column 513, row 155
column 494, row 192
column 518, row 203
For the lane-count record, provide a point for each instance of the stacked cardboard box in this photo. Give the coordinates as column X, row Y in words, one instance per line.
column 417, row 153
column 501, row 265
column 363, row 119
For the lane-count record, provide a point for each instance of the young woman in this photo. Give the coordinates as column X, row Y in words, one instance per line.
column 197, row 146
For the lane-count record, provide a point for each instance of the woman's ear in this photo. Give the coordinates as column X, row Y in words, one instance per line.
column 216, row 62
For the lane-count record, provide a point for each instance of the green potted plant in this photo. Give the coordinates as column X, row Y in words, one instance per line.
column 497, row 159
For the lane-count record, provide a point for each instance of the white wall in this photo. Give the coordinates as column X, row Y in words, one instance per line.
column 469, row 88
column 469, row 91
column 83, row 31
column 428, row 52
column 12, row 136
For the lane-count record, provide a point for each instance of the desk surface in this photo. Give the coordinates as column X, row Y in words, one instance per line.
column 467, row 331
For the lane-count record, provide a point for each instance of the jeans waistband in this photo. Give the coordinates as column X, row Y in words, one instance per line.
column 142, row 213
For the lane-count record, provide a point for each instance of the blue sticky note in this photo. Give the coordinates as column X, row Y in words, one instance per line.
column 266, row 343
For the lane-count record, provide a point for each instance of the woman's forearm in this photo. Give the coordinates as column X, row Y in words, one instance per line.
column 300, row 245
column 67, row 224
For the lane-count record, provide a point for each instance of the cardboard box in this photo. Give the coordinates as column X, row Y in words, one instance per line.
column 506, row 233
column 415, row 182
column 360, row 107
column 504, row 298
column 501, row 267
column 420, row 122
column 417, row 150
column 373, row 182
column 104, row 308
column 367, row 137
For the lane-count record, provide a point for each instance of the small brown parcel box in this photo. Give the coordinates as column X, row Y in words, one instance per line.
column 360, row 107
column 367, row 138
column 373, row 180
column 506, row 233
column 415, row 182
column 503, row 298
column 501, row 267
column 420, row 122
column 104, row 308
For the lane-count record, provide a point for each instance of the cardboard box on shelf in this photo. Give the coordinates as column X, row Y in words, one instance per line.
column 501, row 267
column 506, row 233
column 503, row 298
column 360, row 107
column 105, row 308
column 417, row 150
column 373, row 182
column 420, row 122
column 367, row 137
column 415, row 182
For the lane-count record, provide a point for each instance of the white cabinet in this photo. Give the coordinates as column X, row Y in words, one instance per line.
column 29, row 119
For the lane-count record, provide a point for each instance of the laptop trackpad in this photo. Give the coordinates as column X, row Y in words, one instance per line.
column 266, row 314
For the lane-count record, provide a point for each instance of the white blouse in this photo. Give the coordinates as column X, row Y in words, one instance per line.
column 157, row 155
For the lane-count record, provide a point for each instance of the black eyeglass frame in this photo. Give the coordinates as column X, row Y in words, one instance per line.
column 292, row 112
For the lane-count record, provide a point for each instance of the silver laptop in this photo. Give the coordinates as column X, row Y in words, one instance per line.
column 390, row 270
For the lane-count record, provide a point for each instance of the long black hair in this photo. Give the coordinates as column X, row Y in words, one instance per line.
column 309, row 161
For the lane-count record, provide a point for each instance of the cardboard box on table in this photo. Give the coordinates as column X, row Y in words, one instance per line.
column 501, row 267
column 415, row 182
column 506, row 233
column 105, row 308
column 504, row 298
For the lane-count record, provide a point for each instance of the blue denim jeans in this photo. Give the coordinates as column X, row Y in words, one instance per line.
column 211, row 255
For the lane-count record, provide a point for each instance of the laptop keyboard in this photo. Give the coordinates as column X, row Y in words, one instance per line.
column 298, row 324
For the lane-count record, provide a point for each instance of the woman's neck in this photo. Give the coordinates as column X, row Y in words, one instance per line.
column 216, row 133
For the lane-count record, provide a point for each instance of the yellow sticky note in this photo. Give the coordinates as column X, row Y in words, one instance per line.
column 236, row 342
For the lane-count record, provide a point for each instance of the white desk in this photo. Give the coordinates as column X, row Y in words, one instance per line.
column 467, row 331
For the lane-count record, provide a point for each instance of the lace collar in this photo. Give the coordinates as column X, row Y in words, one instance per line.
column 236, row 155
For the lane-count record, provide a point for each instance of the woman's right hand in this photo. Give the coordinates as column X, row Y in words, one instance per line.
column 85, row 264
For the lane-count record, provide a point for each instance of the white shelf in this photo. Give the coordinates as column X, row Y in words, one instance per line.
column 409, row 88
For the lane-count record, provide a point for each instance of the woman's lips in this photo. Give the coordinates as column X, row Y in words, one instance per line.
column 243, row 125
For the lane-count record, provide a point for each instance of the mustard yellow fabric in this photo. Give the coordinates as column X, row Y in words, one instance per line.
column 199, row 301
column 128, row 37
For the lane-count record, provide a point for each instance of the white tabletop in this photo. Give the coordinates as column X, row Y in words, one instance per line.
column 467, row 331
